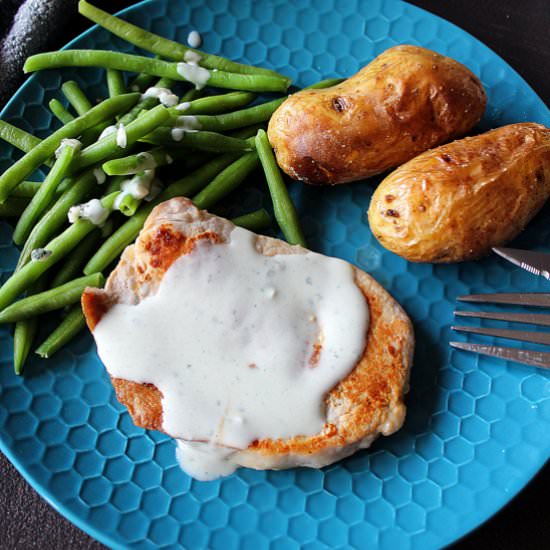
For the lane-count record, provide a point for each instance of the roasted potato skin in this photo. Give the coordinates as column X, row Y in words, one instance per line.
column 405, row 101
column 455, row 202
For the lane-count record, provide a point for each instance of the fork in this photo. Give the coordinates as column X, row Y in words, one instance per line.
column 526, row 357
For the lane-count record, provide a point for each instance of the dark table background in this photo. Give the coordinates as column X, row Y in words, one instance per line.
column 517, row 30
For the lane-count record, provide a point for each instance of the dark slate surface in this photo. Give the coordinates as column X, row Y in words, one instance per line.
column 519, row 32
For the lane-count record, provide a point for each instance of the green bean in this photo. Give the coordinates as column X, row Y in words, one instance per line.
column 19, row 138
column 56, row 216
column 126, row 202
column 59, row 111
column 253, row 116
column 144, row 104
column 128, row 205
column 213, row 104
column 114, row 184
column 107, row 148
column 13, row 207
column 226, row 181
column 159, row 45
column 26, row 189
column 115, row 83
column 254, row 221
column 195, row 159
column 141, row 82
column 129, row 230
column 194, row 182
column 44, row 196
column 327, row 83
column 72, row 266
column 25, row 332
column 69, row 327
column 76, row 97
column 57, row 249
column 236, row 119
column 248, row 131
column 36, row 156
column 199, row 157
column 146, row 160
column 192, row 94
column 167, row 69
column 82, row 105
column 283, row 207
column 204, row 141
column 50, row 300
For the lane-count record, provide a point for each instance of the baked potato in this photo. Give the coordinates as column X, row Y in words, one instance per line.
column 405, row 101
column 456, row 202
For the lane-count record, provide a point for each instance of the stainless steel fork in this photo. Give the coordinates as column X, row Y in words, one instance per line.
column 527, row 357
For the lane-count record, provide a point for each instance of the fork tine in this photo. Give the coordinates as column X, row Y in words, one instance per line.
column 521, row 335
column 537, row 299
column 541, row 319
column 526, row 357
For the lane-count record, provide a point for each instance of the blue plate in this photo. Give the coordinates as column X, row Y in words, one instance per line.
column 477, row 429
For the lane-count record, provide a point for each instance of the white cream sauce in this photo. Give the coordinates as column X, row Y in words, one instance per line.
column 192, row 72
column 107, row 132
column 188, row 123
column 68, row 142
column 231, row 339
column 100, row 175
column 146, row 161
column 192, row 57
column 154, row 191
column 194, row 39
column 92, row 211
column 164, row 95
column 138, row 187
column 204, row 461
column 183, row 106
column 177, row 133
column 121, row 136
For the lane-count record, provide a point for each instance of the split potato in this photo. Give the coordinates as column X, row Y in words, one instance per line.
column 455, row 202
column 404, row 102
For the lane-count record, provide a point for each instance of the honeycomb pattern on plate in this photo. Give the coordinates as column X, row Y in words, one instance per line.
column 477, row 429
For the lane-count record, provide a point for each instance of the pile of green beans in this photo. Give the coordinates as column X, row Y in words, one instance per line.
column 121, row 154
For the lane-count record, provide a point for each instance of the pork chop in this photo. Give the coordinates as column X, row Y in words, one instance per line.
column 369, row 401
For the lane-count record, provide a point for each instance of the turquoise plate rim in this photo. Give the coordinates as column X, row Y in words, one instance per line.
column 100, row 535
